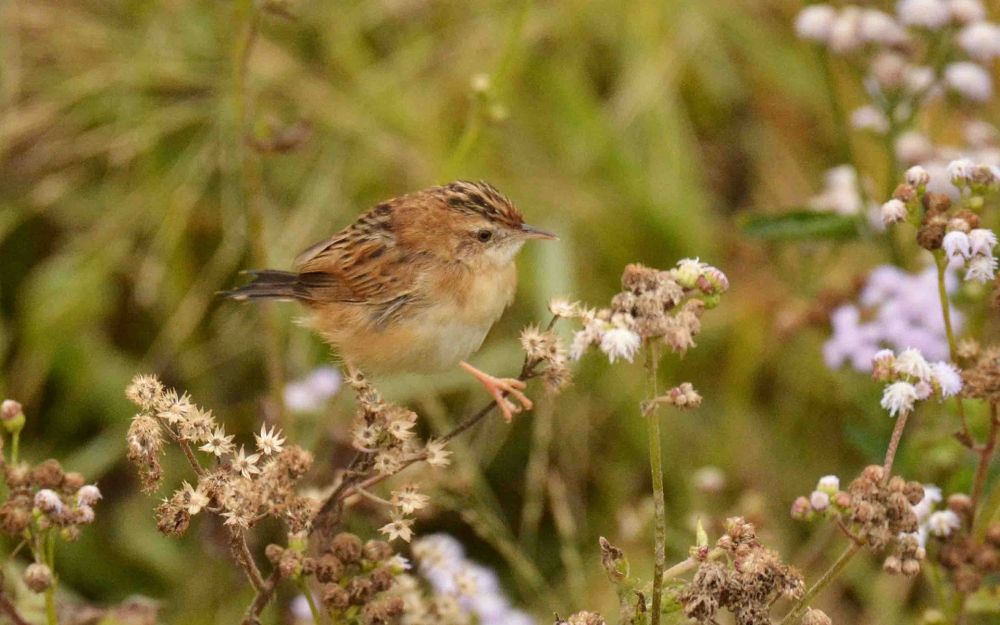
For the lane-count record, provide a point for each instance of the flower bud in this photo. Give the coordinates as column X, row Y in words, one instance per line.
column 12, row 416
column 917, row 176
column 38, row 577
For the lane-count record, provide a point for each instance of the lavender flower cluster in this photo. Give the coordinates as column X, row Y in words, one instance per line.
column 444, row 565
column 895, row 309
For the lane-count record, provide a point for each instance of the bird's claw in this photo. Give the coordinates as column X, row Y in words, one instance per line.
column 499, row 388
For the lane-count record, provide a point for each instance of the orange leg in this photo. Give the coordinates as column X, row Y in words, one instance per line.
column 499, row 388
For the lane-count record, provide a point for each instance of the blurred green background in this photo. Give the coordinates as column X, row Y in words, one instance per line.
column 636, row 130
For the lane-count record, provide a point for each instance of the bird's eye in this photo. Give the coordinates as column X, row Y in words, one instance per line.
column 484, row 235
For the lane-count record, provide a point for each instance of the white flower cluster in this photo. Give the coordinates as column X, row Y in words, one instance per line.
column 444, row 565
column 851, row 28
column 895, row 309
column 911, row 378
column 840, row 192
column 974, row 251
column 310, row 393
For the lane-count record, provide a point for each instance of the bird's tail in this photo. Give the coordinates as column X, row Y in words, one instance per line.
column 267, row 284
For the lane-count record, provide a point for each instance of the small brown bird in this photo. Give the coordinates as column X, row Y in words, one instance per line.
column 414, row 284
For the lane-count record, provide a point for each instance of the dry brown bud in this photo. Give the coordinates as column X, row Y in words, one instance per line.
column 335, row 597
column 905, row 193
column 347, row 548
column 377, row 551
column 38, row 577
column 329, row 568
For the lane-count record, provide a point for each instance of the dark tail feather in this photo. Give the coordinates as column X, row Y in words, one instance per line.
column 267, row 284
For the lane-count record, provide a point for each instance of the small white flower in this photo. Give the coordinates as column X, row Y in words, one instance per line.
column 269, row 442
column 195, row 499
column 218, row 443
column 947, row 378
column 943, row 522
column 914, row 147
column 982, row 269
column 899, row 397
column 882, row 28
column 917, row 176
column 829, row 484
column 398, row 527
column 247, row 465
column 88, row 495
column 819, row 500
column 814, row 22
column 562, row 307
column 956, row 245
column 620, row 343
column 845, row 34
column 48, row 501
column 982, row 241
column 981, row 40
column 912, row 363
column 918, row 79
column 398, row 564
column 970, row 80
column 869, row 118
column 932, row 14
column 688, row 271
column 966, row 11
column 961, row 171
column 893, row 211
column 437, row 456
column 84, row 515
column 924, row 389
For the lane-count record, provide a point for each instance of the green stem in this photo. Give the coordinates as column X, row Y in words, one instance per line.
column 835, row 569
column 656, row 466
column 15, row 441
column 50, row 606
column 304, row 587
column 985, row 459
column 477, row 114
column 942, row 267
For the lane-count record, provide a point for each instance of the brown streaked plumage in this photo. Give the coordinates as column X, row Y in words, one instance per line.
column 414, row 284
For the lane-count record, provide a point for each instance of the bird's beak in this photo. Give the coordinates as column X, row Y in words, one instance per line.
column 531, row 232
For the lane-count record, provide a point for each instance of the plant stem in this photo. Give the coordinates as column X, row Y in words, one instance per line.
column 476, row 117
column 985, row 459
column 656, row 466
column 50, row 606
column 942, row 265
column 304, row 587
column 686, row 565
column 824, row 581
column 263, row 598
column 15, row 440
column 897, row 434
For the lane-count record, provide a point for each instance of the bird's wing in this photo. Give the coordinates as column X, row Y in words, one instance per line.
column 362, row 264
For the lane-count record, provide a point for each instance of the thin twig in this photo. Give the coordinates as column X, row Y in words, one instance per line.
column 897, row 434
column 985, row 459
column 656, row 467
column 242, row 553
column 250, row 617
column 820, row 584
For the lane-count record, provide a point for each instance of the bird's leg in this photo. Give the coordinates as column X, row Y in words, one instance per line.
column 498, row 387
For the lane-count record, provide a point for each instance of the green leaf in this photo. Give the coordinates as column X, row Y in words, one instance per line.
column 800, row 225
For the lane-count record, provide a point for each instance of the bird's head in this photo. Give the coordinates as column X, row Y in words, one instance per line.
column 479, row 225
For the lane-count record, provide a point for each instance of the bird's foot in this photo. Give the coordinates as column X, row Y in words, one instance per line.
column 499, row 388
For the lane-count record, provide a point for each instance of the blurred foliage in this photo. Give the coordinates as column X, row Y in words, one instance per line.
column 635, row 130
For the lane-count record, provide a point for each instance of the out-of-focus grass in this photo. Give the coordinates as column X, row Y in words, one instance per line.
column 635, row 130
